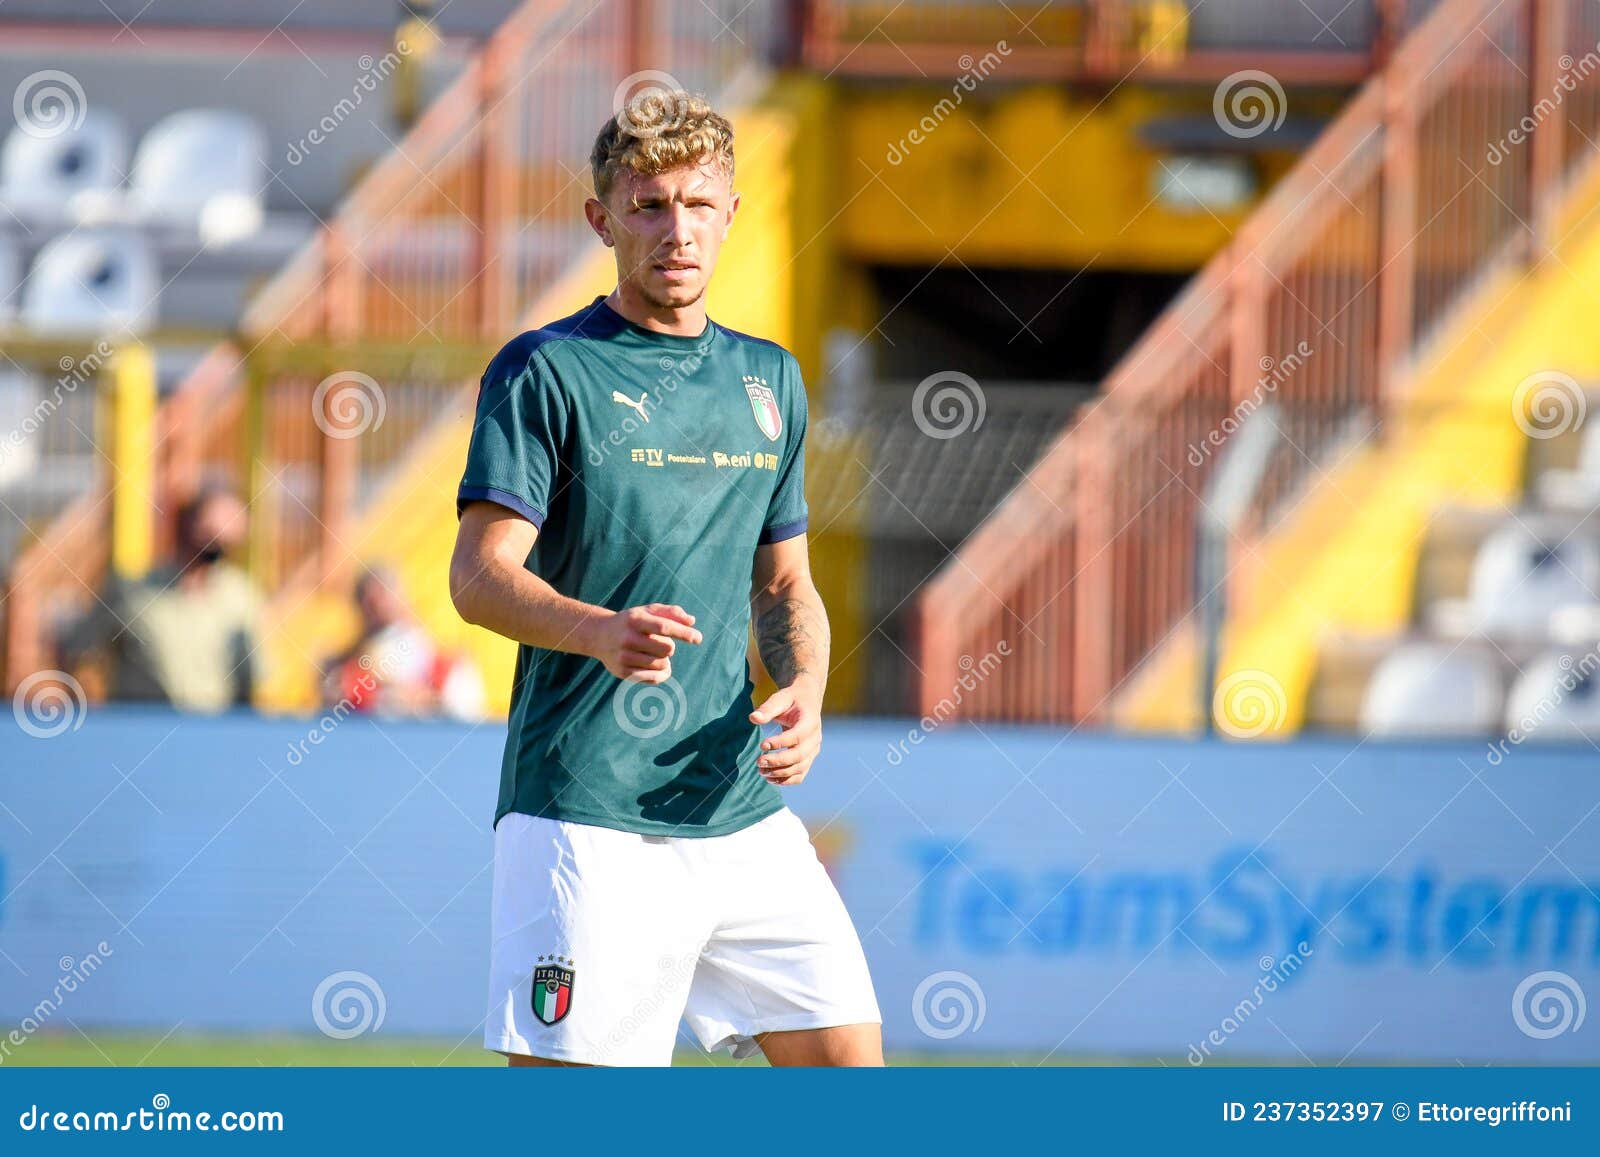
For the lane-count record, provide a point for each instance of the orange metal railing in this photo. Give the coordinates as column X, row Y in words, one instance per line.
column 59, row 573
column 447, row 240
column 1108, row 40
column 1320, row 301
column 481, row 205
column 453, row 236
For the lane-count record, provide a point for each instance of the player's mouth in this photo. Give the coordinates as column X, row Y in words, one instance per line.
column 676, row 270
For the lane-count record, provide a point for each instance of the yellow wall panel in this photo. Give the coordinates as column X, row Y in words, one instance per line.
column 1033, row 177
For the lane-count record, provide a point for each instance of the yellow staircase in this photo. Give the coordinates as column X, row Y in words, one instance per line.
column 1346, row 563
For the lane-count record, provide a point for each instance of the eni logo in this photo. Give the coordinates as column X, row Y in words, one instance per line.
column 622, row 399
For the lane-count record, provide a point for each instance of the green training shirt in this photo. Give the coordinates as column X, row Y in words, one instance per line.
column 653, row 465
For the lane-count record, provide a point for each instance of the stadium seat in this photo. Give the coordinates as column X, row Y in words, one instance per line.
column 1556, row 698
column 203, row 165
column 19, row 454
column 92, row 280
column 1520, row 577
column 10, row 281
column 1434, row 690
column 1578, row 488
column 41, row 174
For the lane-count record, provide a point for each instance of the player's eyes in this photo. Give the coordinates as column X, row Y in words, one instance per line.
column 654, row 206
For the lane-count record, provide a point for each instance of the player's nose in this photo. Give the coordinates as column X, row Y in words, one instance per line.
column 679, row 230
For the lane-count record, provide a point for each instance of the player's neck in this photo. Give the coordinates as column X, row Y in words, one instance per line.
column 690, row 321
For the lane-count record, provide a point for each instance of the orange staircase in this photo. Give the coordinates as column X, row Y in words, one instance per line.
column 429, row 263
column 1324, row 302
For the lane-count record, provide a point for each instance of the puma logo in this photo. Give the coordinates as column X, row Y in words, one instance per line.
column 622, row 399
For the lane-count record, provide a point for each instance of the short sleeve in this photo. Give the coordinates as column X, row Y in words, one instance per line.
column 786, row 513
column 517, row 435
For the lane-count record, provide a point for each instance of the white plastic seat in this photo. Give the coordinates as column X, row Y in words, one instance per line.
column 92, row 281
column 1519, row 579
column 19, row 447
column 1556, row 699
column 200, row 163
column 42, row 172
column 1578, row 488
column 10, row 281
column 1433, row 690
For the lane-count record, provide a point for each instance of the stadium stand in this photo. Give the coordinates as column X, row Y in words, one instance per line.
column 1554, row 700
column 152, row 211
column 1515, row 591
column 1404, row 413
column 469, row 19
column 1433, row 689
column 191, row 159
column 429, row 239
column 10, row 280
column 40, row 173
column 395, row 232
column 91, row 281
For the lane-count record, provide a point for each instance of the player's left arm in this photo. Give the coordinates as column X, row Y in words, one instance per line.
column 792, row 636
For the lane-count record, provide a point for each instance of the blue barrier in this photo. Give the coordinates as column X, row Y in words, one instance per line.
column 1015, row 888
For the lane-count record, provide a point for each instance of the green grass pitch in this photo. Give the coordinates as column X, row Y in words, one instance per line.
column 91, row 1048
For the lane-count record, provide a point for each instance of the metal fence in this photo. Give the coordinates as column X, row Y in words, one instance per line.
column 322, row 437
column 893, row 490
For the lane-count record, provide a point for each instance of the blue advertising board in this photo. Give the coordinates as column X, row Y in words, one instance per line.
column 1016, row 889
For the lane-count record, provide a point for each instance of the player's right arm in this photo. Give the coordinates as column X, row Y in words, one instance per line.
column 492, row 588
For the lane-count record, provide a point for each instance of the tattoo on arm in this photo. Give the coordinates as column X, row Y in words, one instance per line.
column 792, row 636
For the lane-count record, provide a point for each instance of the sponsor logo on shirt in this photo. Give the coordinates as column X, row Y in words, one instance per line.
column 752, row 459
column 622, row 399
column 749, row 459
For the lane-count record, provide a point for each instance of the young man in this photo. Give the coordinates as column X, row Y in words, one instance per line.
column 633, row 494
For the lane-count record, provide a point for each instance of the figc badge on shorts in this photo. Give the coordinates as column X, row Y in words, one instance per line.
column 765, row 404
column 552, row 989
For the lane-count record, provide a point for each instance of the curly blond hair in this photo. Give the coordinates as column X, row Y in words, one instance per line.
column 659, row 130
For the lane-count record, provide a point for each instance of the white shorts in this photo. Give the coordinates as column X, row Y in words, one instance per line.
column 604, row 940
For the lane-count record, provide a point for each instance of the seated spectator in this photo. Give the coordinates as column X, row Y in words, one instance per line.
column 187, row 633
column 394, row 668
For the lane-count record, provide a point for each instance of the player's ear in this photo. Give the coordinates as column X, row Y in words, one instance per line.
column 733, row 207
column 595, row 211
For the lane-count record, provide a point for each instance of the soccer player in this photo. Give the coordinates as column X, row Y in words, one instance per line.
column 633, row 495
